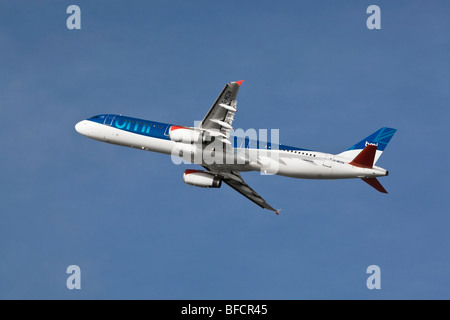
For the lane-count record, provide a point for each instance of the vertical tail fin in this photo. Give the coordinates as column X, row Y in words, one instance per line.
column 379, row 138
column 372, row 148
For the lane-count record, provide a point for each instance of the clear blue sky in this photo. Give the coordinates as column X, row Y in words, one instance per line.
column 312, row 70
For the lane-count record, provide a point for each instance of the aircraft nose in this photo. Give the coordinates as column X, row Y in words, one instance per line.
column 81, row 127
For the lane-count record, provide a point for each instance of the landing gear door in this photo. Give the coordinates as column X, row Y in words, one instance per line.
column 328, row 160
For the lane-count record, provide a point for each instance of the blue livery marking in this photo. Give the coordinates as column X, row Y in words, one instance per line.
column 139, row 126
column 379, row 138
column 161, row 131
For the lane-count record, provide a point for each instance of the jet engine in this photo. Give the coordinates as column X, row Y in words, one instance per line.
column 183, row 134
column 201, row 179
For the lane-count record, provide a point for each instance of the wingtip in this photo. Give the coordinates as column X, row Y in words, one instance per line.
column 277, row 211
column 239, row 82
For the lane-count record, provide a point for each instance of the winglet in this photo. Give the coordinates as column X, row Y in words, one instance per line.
column 239, row 82
column 277, row 211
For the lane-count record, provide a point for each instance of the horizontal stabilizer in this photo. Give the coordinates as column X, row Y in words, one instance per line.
column 374, row 183
column 365, row 158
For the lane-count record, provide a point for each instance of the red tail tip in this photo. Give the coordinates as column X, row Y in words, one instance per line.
column 366, row 157
column 240, row 82
column 374, row 183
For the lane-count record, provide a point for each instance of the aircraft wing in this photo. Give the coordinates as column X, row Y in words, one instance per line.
column 219, row 119
column 235, row 181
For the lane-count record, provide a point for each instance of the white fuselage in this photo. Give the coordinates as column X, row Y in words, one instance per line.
column 289, row 163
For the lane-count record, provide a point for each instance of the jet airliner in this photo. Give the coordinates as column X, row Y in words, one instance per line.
column 214, row 139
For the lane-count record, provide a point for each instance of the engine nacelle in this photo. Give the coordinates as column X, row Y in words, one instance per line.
column 183, row 134
column 201, row 179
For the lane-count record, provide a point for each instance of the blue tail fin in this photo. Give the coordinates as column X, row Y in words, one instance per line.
column 379, row 138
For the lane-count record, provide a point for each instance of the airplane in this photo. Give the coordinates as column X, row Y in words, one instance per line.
column 213, row 144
